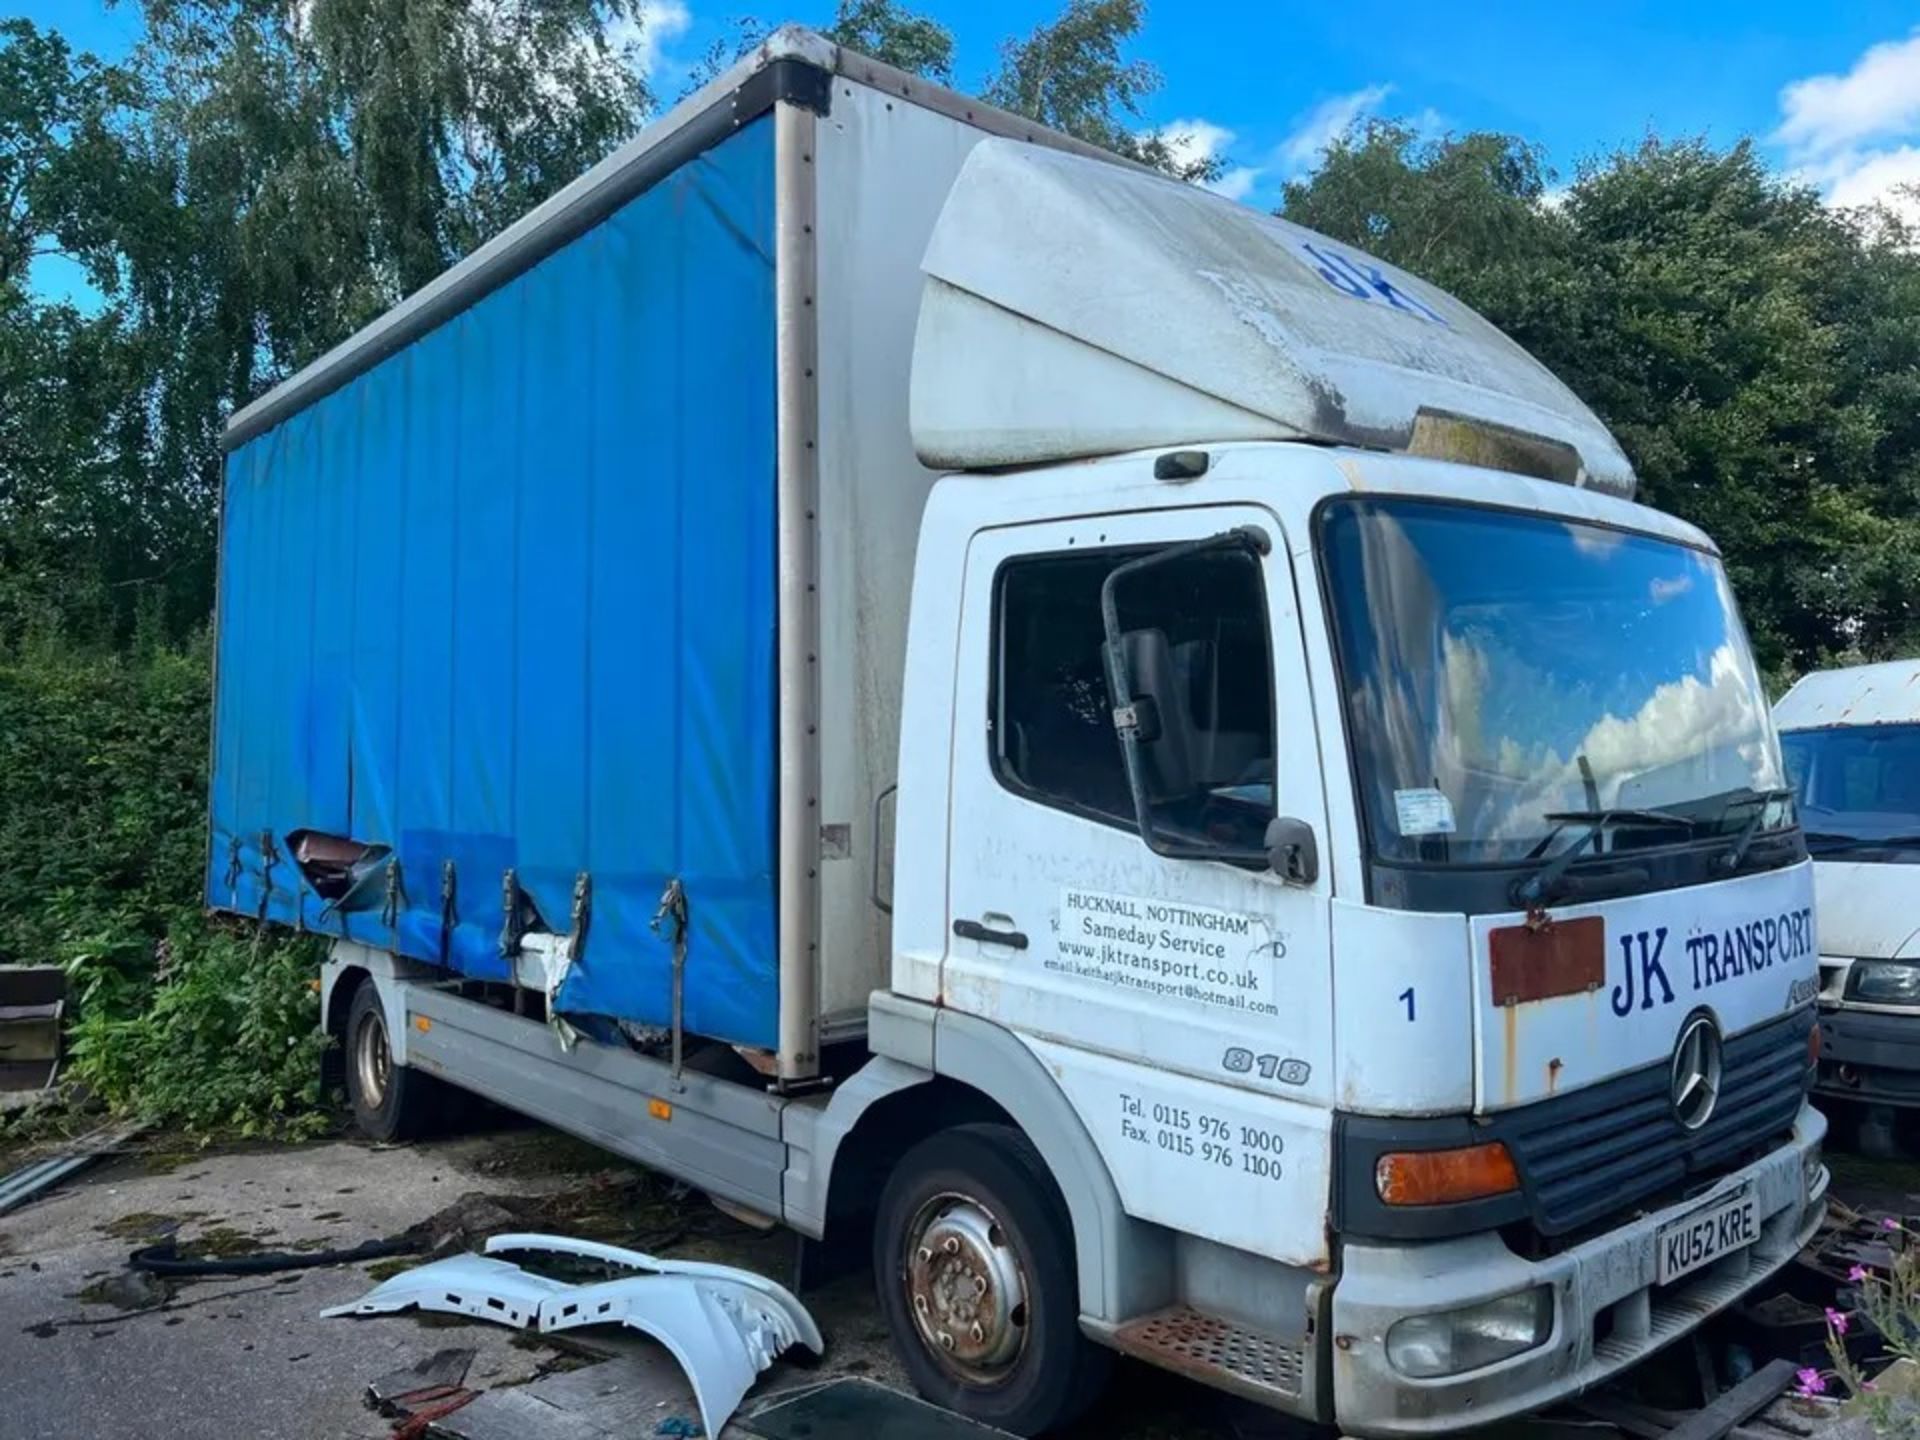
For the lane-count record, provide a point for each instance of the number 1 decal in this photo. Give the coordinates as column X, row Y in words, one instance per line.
column 1406, row 995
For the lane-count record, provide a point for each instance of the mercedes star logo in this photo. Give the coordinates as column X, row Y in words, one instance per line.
column 1696, row 1072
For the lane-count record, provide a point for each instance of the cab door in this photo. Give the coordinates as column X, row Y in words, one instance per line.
column 1184, row 1000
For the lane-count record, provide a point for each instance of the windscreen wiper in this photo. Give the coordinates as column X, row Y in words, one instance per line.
column 1539, row 887
column 1760, row 800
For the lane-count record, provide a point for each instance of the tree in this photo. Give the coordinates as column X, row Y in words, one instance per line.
column 1073, row 75
column 1753, row 350
column 45, row 91
column 888, row 32
column 256, row 182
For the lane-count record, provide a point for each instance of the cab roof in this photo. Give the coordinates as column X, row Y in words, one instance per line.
column 1884, row 694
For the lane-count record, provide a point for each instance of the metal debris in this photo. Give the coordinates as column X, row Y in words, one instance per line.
column 724, row 1325
column 31, row 1181
column 33, row 1001
column 442, row 1371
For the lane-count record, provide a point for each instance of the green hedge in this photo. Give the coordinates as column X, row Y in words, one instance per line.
column 191, row 1019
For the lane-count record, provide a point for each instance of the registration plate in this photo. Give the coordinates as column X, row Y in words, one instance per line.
column 1703, row 1237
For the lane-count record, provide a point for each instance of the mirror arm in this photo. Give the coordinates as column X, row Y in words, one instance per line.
column 1127, row 713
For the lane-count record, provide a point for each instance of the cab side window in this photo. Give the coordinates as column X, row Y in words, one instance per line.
column 1195, row 632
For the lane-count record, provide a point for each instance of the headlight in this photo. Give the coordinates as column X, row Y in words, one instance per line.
column 1452, row 1342
column 1884, row 982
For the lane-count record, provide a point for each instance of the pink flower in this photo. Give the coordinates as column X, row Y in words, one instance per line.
column 1812, row 1382
column 1889, row 1223
column 1837, row 1320
column 1859, row 1275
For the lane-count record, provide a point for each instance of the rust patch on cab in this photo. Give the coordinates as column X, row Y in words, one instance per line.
column 1545, row 958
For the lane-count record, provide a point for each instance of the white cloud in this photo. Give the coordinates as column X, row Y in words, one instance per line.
column 1879, row 96
column 1192, row 141
column 1300, row 151
column 644, row 40
column 1851, row 135
column 1237, row 183
column 1876, row 176
column 1324, row 124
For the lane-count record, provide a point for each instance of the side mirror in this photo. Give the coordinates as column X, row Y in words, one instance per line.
column 1156, row 713
column 1292, row 851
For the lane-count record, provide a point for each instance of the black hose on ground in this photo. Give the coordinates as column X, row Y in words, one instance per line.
column 165, row 1258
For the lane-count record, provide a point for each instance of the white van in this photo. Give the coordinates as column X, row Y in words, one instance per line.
column 1852, row 744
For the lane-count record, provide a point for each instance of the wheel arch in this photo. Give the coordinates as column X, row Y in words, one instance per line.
column 349, row 965
column 981, row 1072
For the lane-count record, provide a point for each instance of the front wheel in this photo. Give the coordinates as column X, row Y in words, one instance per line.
column 974, row 1262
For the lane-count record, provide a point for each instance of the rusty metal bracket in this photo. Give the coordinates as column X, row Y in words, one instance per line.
column 582, row 915
column 673, row 911
column 235, row 869
column 510, row 931
column 269, row 857
column 449, row 908
column 395, row 899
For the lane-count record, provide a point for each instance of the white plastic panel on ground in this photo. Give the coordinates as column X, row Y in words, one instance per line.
column 1048, row 268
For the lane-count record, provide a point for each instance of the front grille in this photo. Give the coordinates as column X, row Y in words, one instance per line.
column 1598, row 1151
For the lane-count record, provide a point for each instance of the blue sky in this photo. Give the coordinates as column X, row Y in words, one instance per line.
column 1832, row 91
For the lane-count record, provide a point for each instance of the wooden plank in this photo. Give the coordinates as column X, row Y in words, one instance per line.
column 1741, row 1403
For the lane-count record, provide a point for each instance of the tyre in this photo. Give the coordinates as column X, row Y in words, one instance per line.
column 974, row 1262
column 390, row 1102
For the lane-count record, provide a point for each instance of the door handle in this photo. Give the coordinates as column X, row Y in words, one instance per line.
column 974, row 930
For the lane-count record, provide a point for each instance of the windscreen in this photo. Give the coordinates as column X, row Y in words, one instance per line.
column 1859, row 790
column 1506, row 674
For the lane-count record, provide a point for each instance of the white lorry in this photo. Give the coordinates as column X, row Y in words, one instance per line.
column 1851, row 739
column 1287, row 878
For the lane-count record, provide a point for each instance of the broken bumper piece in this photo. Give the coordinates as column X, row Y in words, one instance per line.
column 722, row 1324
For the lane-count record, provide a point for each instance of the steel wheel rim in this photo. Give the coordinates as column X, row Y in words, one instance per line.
column 966, row 1288
column 372, row 1061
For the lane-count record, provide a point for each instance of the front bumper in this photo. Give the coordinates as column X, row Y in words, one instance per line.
column 1869, row 1056
column 1601, row 1288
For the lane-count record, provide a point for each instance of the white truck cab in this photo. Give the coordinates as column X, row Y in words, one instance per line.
column 1852, row 743
column 1289, row 877
column 1433, row 977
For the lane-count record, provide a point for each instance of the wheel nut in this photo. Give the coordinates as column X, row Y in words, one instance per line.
column 923, row 1254
column 946, row 1341
column 950, row 1245
column 920, row 1303
column 978, row 1334
column 979, row 1285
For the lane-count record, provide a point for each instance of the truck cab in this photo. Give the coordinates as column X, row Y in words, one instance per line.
column 1851, row 739
column 1378, row 836
column 1432, row 954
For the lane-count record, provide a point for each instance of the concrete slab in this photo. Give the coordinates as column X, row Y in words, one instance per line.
column 249, row 1357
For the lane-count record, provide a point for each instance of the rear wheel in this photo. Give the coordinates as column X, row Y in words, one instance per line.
column 974, row 1261
column 390, row 1102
